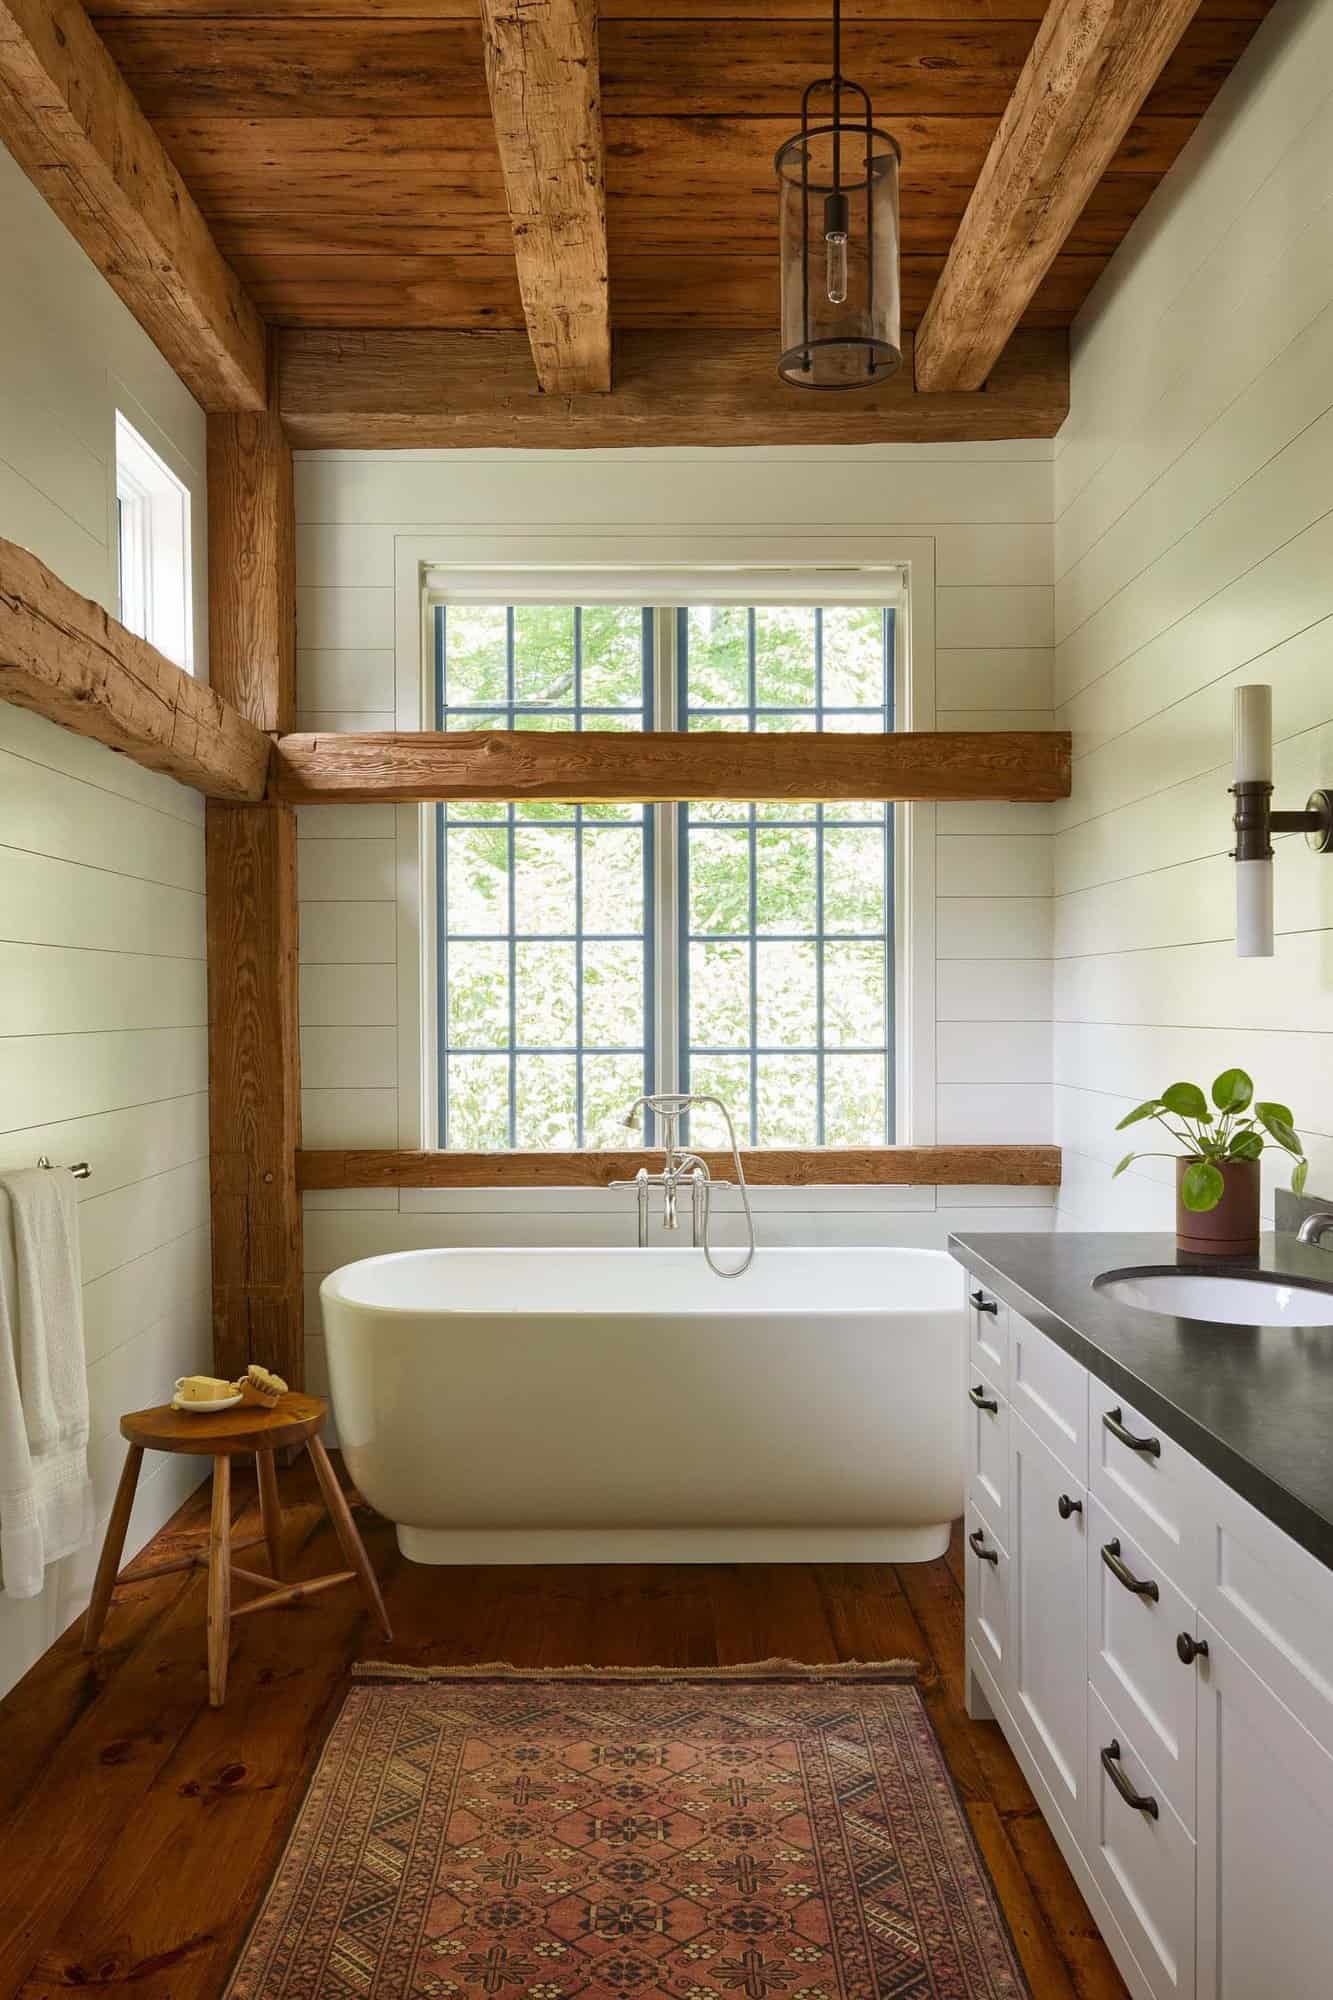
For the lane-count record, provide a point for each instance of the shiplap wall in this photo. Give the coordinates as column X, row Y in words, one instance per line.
column 102, row 1007
column 1194, row 552
column 988, row 508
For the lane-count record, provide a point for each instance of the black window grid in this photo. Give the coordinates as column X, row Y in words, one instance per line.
column 574, row 713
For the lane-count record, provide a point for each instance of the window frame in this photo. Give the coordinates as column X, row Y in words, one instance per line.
column 154, row 556
column 834, row 561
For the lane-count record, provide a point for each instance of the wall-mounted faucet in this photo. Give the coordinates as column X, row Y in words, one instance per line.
column 680, row 1165
column 1317, row 1229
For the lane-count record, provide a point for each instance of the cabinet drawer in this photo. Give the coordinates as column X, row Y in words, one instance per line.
column 1132, row 1657
column 1143, row 1864
column 1149, row 1484
column 1273, row 1601
column 1049, row 1391
column 987, row 1595
column 988, row 1336
column 988, row 1452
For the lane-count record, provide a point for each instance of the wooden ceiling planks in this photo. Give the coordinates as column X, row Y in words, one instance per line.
column 344, row 155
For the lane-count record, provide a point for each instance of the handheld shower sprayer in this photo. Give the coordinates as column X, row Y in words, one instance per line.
column 671, row 1106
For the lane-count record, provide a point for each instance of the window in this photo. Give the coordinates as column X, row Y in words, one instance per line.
column 586, row 954
column 153, row 517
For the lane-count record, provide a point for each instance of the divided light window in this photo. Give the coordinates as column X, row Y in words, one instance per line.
column 585, row 954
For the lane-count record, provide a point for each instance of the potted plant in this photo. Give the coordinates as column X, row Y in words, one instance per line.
column 1217, row 1172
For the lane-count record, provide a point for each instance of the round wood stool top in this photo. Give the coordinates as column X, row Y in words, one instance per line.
column 224, row 1432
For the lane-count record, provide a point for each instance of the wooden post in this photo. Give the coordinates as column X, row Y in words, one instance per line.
column 254, row 1049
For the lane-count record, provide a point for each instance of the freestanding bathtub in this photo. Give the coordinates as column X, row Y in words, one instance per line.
column 628, row 1406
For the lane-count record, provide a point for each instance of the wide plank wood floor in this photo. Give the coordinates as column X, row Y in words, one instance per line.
column 138, row 1827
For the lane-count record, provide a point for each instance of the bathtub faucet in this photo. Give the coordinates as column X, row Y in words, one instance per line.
column 681, row 1165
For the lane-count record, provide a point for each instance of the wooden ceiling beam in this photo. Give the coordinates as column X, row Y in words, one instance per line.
column 417, row 388
column 831, row 1166
column 583, row 766
column 1088, row 72
column 64, row 657
column 542, row 73
column 70, row 121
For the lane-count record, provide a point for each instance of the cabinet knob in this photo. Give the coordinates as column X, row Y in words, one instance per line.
column 1065, row 1506
column 1189, row 1649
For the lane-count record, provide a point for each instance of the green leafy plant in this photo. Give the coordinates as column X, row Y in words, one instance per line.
column 1232, row 1127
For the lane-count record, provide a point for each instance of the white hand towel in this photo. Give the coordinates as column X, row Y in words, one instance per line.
column 46, row 1499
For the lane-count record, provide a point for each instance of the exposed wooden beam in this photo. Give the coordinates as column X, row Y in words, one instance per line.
column 251, row 566
column 583, row 766
column 254, row 1090
column 377, row 390
column 542, row 72
column 833, row 1166
column 1088, row 71
column 254, row 1051
column 69, row 119
column 66, row 658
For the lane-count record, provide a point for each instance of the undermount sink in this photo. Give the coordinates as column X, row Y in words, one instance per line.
column 1233, row 1301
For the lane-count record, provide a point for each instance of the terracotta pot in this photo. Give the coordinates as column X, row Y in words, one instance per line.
column 1232, row 1228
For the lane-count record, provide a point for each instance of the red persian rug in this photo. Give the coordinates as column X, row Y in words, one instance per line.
column 756, row 1833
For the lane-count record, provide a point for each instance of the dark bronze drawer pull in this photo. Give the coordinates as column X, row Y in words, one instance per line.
column 981, row 1401
column 987, row 1555
column 983, row 1304
column 1112, row 1767
column 1111, row 1557
column 1064, row 1506
column 1115, row 1423
column 1189, row 1649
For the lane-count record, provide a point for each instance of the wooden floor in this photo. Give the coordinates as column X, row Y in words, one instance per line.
column 138, row 1827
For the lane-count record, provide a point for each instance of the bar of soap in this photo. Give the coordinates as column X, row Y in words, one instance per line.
column 203, row 1389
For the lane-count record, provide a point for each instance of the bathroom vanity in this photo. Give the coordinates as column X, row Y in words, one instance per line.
column 1149, row 1529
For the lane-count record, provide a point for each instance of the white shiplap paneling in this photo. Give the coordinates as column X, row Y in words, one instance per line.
column 102, row 1002
column 1193, row 551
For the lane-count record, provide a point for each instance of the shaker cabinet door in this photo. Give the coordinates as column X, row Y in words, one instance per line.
column 1048, row 1672
column 1265, row 1833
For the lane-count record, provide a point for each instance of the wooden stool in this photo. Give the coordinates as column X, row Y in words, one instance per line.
column 295, row 1420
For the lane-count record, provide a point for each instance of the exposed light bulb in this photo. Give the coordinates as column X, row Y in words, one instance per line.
column 835, row 250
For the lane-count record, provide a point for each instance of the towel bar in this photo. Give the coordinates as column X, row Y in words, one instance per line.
column 80, row 1170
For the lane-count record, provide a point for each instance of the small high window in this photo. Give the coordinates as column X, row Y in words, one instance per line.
column 153, row 517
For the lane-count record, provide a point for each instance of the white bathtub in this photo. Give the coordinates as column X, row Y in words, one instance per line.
column 628, row 1406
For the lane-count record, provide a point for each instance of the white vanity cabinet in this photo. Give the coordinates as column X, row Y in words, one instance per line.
column 1160, row 1657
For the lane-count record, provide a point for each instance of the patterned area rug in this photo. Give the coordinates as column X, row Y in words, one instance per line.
column 758, row 1833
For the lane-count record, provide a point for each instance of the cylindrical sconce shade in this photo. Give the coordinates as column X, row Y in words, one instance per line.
column 1252, row 735
column 1252, row 784
column 1254, row 909
column 838, row 220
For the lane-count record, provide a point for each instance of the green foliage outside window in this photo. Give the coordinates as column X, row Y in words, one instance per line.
column 546, row 932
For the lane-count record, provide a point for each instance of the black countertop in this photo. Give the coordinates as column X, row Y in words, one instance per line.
column 1252, row 1403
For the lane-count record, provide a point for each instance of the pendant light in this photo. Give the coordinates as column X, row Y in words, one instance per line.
column 838, row 222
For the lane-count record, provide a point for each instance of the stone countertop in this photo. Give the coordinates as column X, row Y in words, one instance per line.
column 1252, row 1403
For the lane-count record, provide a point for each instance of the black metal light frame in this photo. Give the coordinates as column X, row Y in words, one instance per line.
column 882, row 358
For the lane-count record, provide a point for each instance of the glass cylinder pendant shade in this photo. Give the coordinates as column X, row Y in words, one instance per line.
column 838, row 222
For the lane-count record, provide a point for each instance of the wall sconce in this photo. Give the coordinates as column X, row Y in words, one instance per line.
column 1255, row 820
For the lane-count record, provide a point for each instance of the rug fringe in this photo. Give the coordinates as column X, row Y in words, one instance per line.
column 754, row 1670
